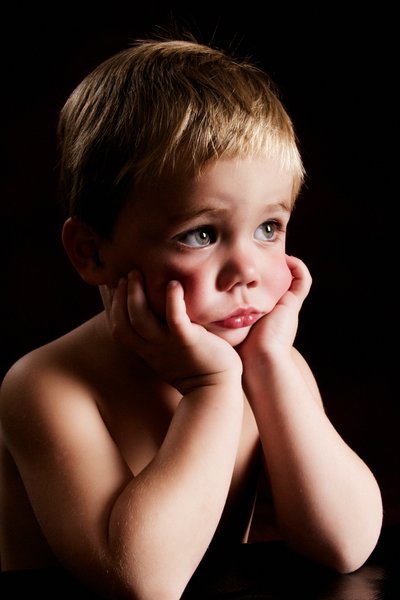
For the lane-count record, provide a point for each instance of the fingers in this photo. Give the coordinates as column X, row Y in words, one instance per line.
column 302, row 280
column 132, row 320
column 118, row 313
column 106, row 294
column 141, row 317
column 175, row 309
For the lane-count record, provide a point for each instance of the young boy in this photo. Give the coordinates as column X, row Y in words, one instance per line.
column 135, row 442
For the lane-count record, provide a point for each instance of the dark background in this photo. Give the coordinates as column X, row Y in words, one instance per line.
column 337, row 72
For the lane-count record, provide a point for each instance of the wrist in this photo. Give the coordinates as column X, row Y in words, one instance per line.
column 263, row 366
column 230, row 378
column 266, row 357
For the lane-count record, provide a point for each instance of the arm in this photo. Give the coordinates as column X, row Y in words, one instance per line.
column 136, row 537
column 327, row 501
column 178, row 500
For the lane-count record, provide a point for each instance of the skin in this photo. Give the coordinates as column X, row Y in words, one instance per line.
column 138, row 435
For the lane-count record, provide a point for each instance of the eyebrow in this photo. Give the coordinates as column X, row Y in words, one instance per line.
column 281, row 206
column 186, row 216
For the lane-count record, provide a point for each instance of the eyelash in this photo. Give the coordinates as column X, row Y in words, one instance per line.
column 278, row 227
column 210, row 231
column 207, row 229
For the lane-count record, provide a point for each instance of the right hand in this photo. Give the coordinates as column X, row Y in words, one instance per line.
column 182, row 353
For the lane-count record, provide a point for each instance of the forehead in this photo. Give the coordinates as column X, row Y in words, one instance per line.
column 223, row 184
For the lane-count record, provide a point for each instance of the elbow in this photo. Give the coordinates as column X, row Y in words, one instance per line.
column 346, row 549
column 139, row 582
column 351, row 553
column 350, row 559
column 346, row 564
column 136, row 580
column 352, row 543
column 152, row 588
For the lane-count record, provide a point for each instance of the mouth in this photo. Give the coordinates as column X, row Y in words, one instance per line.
column 244, row 317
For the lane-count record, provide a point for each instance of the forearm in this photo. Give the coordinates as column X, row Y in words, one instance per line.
column 327, row 501
column 168, row 514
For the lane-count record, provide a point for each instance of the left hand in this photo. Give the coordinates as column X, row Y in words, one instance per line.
column 278, row 328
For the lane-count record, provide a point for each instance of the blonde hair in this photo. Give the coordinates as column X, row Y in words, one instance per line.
column 165, row 104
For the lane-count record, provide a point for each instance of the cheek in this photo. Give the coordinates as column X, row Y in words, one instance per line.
column 155, row 293
column 280, row 280
column 156, row 283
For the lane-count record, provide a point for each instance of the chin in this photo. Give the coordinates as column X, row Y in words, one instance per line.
column 234, row 337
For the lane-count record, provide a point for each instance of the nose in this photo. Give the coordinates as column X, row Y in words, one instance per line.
column 239, row 269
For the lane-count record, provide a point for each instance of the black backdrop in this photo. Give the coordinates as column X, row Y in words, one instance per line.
column 337, row 72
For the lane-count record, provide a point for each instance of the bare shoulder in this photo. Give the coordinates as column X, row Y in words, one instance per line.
column 56, row 441
column 78, row 393
column 37, row 379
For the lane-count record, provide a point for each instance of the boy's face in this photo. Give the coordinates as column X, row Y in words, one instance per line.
column 222, row 235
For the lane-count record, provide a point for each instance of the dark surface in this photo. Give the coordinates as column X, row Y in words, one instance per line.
column 270, row 571
column 267, row 571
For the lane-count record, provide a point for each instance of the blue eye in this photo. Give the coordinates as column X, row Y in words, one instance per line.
column 198, row 238
column 267, row 231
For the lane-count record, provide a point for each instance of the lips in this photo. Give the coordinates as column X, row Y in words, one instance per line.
column 240, row 318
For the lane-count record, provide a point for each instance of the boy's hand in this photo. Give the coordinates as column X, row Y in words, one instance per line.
column 277, row 329
column 182, row 353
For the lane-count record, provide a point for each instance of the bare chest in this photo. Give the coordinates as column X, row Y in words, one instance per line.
column 138, row 419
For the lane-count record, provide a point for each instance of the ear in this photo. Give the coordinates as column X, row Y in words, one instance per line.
column 82, row 245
